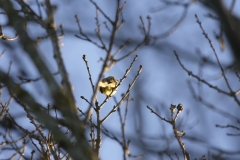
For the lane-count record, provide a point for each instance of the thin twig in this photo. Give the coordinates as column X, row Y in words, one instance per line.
column 83, row 36
column 98, row 31
column 88, row 69
column 175, row 111
column 124, row 96
column 121, row 80
column 2, row 53
column 212, row 106
column 164, row 119
column 200, row 79
column 215, row 53
column 95, row 4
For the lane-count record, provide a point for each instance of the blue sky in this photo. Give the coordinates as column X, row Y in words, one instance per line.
column 161, row 83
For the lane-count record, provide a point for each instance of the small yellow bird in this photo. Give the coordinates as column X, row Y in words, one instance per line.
column 108, row 86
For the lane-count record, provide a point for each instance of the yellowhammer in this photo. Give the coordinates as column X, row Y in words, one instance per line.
column 108, row 85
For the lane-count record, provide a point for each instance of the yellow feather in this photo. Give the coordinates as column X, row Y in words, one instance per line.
column 108, row 86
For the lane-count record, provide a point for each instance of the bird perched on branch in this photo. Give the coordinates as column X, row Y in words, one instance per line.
column 108, row 86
